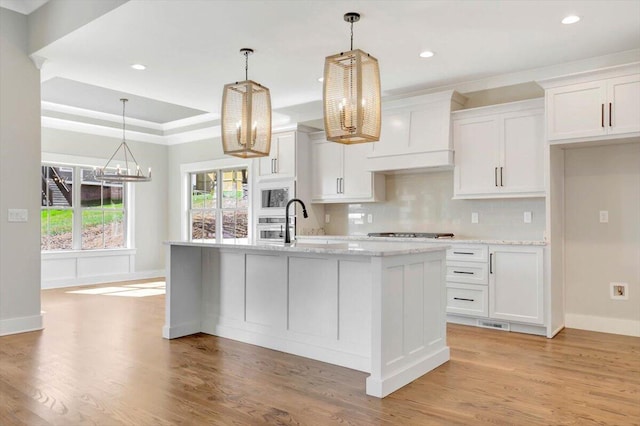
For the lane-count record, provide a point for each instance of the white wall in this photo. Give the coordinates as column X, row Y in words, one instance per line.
column 151, row 198
column 19, row 179
column 596, row 179
column 422, row 202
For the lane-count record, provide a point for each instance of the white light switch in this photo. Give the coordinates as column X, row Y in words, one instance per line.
column 527, row 217
column 604, row 216
column 474, row 217
column 18, row 215
column 369, row 218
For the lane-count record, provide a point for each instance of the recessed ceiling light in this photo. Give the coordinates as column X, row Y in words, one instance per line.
column 426, row 54
column 571, row 19
column 320, row 79
column 138, row 67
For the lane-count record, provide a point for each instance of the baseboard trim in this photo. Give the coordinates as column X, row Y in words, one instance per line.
column 20, row 325
column 603, row 324
column 102, row 279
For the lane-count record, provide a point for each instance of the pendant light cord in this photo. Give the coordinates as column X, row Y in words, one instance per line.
column 124, row 101
column 246, row 65
column 351, row 35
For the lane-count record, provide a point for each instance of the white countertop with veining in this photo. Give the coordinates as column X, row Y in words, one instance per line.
column 331, row 246
column 449, row 241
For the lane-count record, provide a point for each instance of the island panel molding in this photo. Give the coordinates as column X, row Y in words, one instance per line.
column 373, row 307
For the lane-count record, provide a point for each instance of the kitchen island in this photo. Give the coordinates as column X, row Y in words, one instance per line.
column 374, row 307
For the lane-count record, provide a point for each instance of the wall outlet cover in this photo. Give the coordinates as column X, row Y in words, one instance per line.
column 18, row 215
column 327, row 218
column 527, row 217
column 619, row 291
column 474, row 217
column 604, row 216
column 369, row 218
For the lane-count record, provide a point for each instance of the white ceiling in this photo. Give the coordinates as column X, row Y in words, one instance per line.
column 190, row 47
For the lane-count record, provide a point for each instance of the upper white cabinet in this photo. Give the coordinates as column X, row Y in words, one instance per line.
column 516, row 284
column 499, row 151
column 339, row 173
column 591, row 107
column 281, row 161
column 415, row 133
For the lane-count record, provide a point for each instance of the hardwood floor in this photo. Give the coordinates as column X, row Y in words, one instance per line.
column 101, row 360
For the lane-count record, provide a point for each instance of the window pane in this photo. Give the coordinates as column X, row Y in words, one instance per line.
column 114, row 229
column 203, row 225
column 242, row 223
column 243, row 188
column 113, row 194
column 229, row 189
column 203, row 190
column 55, row 229
column 57, row 186
column 92, row 229
column 90, row 190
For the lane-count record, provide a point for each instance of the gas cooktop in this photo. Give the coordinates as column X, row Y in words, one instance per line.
column 411, row 234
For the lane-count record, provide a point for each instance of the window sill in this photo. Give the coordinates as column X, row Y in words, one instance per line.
column 68, row 254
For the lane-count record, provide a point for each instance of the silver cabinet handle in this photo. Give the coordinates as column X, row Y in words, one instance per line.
column 495, row 176
column 464, row 298
column 610, row 125
column 462, row 252
column 501, row 182
column 272, row 169
column 463, row 272
column 337, row 185
column 342, row 185
column 275, row 165
column 602, row 116
column 491, row 263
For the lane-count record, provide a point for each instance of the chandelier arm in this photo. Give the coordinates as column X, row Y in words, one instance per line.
column 111, row 158
column 131, row 154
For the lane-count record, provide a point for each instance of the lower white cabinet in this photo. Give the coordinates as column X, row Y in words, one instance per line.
column 496, row 286
column 516, row 280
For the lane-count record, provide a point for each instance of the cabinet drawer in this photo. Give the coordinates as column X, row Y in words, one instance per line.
column 468, row 253
column 468, row 272
column 467, row 299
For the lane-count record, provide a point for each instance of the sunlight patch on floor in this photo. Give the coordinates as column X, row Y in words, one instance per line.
column 129, row 290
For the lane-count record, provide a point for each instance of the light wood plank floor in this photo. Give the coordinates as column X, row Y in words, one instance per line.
column 101, row 360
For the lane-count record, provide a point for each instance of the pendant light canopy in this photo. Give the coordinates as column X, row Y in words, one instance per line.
column 246, row 117
column 131, row 171
column 351, row 95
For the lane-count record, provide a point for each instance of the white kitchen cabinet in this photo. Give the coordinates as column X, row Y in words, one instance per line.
column 415, row 133
column 467, row 280
column 281, row 161
column 499, row 151
column 516, row 284
column 339, row 173
column 593, row 107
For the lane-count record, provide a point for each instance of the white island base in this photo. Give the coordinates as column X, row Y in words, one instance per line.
column 377, row 309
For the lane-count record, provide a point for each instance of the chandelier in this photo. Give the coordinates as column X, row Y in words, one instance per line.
column 131, row 171
column 351, row 94
column 246, row 117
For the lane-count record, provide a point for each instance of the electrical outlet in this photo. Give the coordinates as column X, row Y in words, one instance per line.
column 604, row 216
column 527, row 217
column 17, row 215
column 619, row 291
column 474, row 217
column 369, row 218
column 327, row 218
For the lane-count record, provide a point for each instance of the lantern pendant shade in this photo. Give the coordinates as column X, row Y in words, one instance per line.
column 351, row 98
column 246, row 119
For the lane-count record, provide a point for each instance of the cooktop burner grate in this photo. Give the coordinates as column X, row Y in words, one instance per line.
column 411, row 234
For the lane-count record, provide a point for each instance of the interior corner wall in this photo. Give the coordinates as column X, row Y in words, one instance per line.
column 151, row 198
column 603, row 178
column 19, row 179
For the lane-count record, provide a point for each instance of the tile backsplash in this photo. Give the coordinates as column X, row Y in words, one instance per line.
column 421, row 202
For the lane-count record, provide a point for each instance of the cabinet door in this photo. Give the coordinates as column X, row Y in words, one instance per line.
column 281, row 161
column 516, row 284
column 624, row 104
column 327, row 169
column 357, row 182
column 476, row 143
column 576, row 111
column 394, row 134
column 522, row 163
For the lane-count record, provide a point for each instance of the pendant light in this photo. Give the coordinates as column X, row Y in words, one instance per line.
column 351, row 94
column 131, row 171
column 246, row 117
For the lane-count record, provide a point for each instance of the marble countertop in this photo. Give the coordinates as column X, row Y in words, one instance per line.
column 331, row 246
column 448, row 241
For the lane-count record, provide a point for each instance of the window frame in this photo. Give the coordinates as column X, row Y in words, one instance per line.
column 207, row 166
column 79, row 163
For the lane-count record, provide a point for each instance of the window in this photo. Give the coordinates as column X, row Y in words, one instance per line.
column 219, row 205
column 79, row 212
